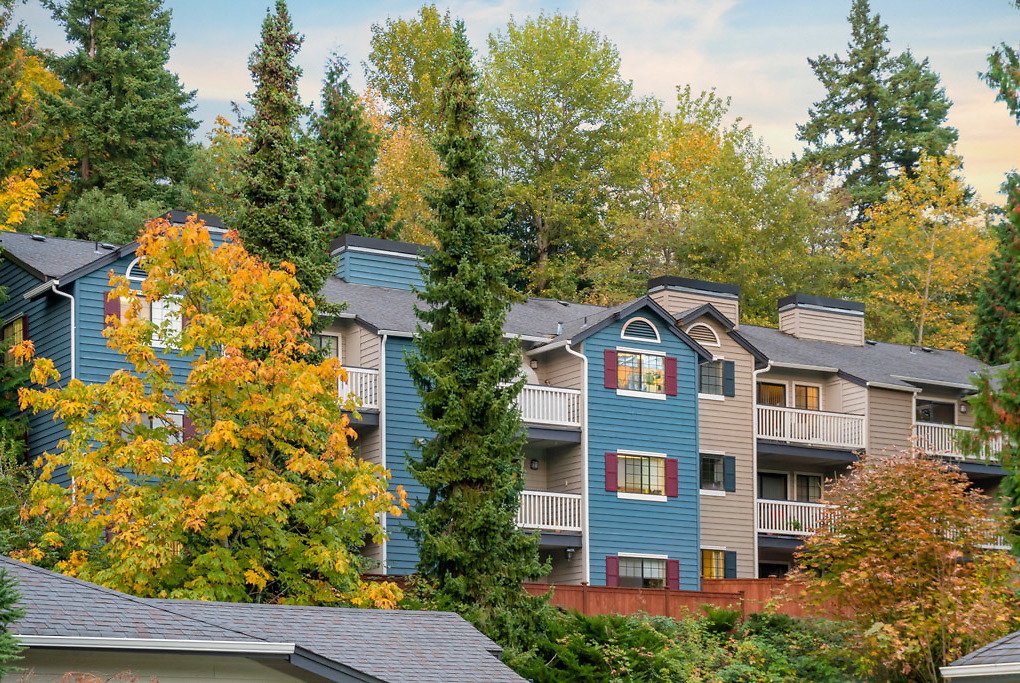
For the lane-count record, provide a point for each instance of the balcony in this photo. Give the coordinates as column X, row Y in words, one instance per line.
column 788, row 517
column 944, row 440
column 811, row 427
column 548, row 511
column 552, row 406
column 363, row 383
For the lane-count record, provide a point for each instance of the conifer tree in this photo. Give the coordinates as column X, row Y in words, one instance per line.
column 879, row 113
column 998, row 301
column 345, row 155
column 130, row 118
column 11, row 140
column 9, row 647
column 276, row 217
column 467, row 376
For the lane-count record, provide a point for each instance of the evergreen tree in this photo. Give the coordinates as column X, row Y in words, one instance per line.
column 276, row 217
column 130, row 118
column 879, row 113
column 11, row 142
column 9, row 647
column 998, row 300
column 345, row 154
column 467, row 376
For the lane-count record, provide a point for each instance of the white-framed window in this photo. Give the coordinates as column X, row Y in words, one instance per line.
column 808, row 487
column 642, row 572
column 703, row 334
column 713, row 563
column 642, row 474
column 640, row 372
column 712, row 472
column 166, row 311
column 807, row 396
column 328, row 343
column 938, row 412
column 710, row 377
column 772, row 394
column 640, row 329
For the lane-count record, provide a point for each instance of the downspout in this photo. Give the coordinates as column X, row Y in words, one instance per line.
column 382, row 440
column 584, row 460
column 53, row 284
column 754, row 457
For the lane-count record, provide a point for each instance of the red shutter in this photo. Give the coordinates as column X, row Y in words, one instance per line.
column 610, row 369
column 612, row 570
column 111, row 306
column 672, row 478
column 612, row 473
column 670, row 376
column 187, row 428
column 673, row 574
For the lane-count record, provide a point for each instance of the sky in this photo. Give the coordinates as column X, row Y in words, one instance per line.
column 754, row 51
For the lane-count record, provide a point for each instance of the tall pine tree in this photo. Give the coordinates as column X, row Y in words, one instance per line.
column 467, row 376
column 10, row 649
column 879, row 113
column 129, row 118
column 346, row 150
column 276, row 216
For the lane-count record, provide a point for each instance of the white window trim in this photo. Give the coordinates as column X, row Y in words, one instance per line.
column 793, row 485
column 709, row 328
column 786, row 392
column 643, row 394
column 650, row 497
column 935, row 399
column 623, row 332
column 644, row 556
column 131, row 267
column 714, row 397
column 157, row 341
column 713, row 547
column 792, row 395
column 647, row 352
column 711, row 492
column 785, row 473
column 339, row 342
column 640, row 394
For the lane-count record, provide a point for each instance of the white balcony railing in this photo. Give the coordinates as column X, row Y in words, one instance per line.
column 814, row 427
column 550, row 511
column 550, row 405
column 944, row 440
column 789, row 517
column 363, row 383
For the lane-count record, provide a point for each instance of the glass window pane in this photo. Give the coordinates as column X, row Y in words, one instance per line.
column 628, row 371
column 642, row 474
column 327, row 343
column 653, row 374
column 771, row 394
column 935, row 411
column 712, row 564
column 805, row 397
column 712, row 472
column 809, row 488
column 772, row 486
column 710, row 377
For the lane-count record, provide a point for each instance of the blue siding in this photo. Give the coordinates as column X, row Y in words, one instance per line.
column 398, row 271
column 49, row 327
column 402, row 426
column 641, row 424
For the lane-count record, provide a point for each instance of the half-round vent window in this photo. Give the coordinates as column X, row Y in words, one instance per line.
column 703, row 334
column 135, row 271
column 641, row 330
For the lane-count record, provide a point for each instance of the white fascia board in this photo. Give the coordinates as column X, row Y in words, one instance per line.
column 798, row 366
column 893, row 387
column 396, row 333
column 998, row 669
column 39, row 289
column 936, row 383
column 213, row 646
column 547, row 347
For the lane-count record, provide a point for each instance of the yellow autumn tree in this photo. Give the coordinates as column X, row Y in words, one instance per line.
column 923, row 257
column 406, row 171
column 235, row 483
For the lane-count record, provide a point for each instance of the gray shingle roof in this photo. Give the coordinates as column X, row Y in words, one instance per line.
column 876, row 363
column 382, row 644
column 1003, row 651
column 53, row 257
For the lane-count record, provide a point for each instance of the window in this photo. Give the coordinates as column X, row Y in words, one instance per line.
column 329, row 344
column 13, row 333
column 174, row 424
column 710, row 377
column 809, row 488
column 806, row 397
column 642, row 572
column 640, row 329
column 770, row 394
column 165, row 311
column 642, row 474
column 934, row 411
column 772, row 486
column 713, row 564
column 640, row 372
column 712, row 472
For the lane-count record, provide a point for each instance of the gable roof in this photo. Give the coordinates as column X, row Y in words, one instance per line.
column 892, row 366
column 710, row 311
column 346, row 644
column 57, row 258
column 1001, row 657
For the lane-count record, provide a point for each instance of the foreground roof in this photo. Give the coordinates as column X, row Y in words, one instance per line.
column 353, row 644
column 894, row 366
column 1001, row 658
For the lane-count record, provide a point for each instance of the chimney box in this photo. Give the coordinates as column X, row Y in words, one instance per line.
column 820, row 318
column 679, row 294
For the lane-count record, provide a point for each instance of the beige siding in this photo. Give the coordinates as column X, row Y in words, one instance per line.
column 565, row 473
column 50, row 666
column 369, row 346
column 821, row 326
column 535, row 480
column 727, row 426
column 677, row 302
column 368, row 445
column 571, row 572
column 559, row 369
column 890, row 416
column 855, row 398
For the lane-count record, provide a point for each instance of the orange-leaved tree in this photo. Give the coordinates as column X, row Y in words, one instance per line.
column 255, row 495
column 906, row 556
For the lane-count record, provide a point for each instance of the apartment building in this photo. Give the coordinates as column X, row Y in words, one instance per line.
column 665, row 441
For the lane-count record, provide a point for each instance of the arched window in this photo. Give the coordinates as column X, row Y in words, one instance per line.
column 135, row 273
column 703, row 334
column 640, row 329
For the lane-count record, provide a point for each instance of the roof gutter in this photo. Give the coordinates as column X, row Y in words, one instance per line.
column 248, row 647
column 998, row 669
column 51, row 285
column 937, row 383
column 549, row 347
column 798, row 366
column 893, row 387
